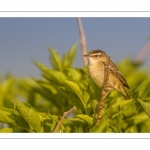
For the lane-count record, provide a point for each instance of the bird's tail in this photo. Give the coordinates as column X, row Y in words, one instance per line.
column 123, row 92
column 127, row 97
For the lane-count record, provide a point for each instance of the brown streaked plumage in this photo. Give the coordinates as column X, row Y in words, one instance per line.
column 97, row 59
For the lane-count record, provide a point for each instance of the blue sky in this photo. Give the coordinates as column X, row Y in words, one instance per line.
column 23, row 39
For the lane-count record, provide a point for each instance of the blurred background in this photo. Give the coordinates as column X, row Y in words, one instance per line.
column 23, row 39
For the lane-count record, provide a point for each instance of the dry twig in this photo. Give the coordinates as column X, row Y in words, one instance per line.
column 63, row 117
column 82, row 41
column 104, row 92
column 143, row 53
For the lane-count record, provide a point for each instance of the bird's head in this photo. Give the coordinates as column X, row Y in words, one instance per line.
column 96, row 56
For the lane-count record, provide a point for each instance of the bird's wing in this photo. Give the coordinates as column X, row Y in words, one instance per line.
column 118, row 74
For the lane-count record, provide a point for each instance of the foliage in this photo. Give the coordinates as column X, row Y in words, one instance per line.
column 36, row 105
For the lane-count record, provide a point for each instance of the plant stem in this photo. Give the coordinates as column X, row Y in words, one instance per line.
column 104, row 92
column 82, row 41
column 63, row 117
column 143, row 53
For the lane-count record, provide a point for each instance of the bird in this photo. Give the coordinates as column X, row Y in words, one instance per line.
column 98, row 62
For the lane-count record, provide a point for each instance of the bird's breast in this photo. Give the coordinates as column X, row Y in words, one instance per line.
column 96, row 72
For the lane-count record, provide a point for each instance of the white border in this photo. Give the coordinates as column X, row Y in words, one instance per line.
column 74, row 136
column 75, row 5
column 74, row 14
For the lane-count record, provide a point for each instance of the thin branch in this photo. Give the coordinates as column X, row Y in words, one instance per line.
column 63, row 117
column 143, row 53
column 104, row 92
column 82, row 41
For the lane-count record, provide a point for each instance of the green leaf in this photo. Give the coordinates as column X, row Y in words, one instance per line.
column 6, row 130
column 73, row 74
column 8, row 116
column 12, row 117
column 72, row 53
column 131, row 109
column 54, row 76
column 51, row 94
column 146, row 106
column 86, row 97
column 145, row 126
column 68, row 57
column 40, row 66
column 49, row 122
column 78, row 91
column 136, row 119
column 55, row 59
column 45, row 116
column 94, row 104
column 54, row 126
column 85, row 118
column 122, row 103
column 144, row 88
column 46, row 126
column 127, row 65
column 132, row 129
column 30, row 115
column 125, row 105
column 102, row 126
column 135, row 79
column 76, row 120
column 93, row 90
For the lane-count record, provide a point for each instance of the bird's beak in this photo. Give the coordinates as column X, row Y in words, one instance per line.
column 86, row 55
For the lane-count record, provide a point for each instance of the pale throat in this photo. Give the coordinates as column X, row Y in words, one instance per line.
column 96, row 71
column 92, row 61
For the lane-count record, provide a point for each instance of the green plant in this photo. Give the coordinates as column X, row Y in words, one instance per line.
column 43, row 101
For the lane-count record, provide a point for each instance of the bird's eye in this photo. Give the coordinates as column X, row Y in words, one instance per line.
column 96, row 56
